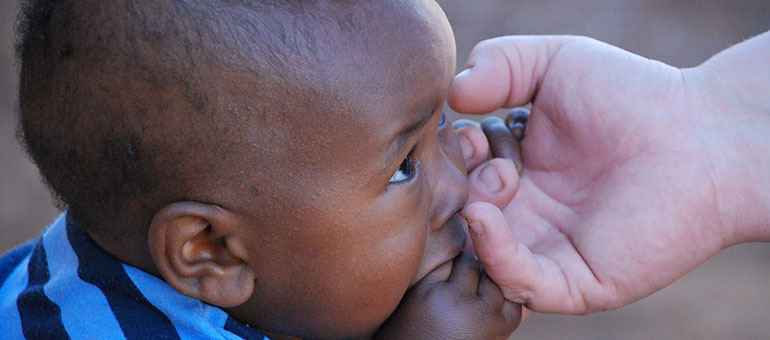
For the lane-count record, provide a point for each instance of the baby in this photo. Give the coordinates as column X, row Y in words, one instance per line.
column 284, row 165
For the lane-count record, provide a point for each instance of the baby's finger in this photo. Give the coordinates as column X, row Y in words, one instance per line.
column 473, row 144
column 495, row 181
column 513, row 312
column 502, row 143
column 517, row 122
column 493, row 297
column 465, row 273
column 490, row 292
column 526, row 313
column 510, row 264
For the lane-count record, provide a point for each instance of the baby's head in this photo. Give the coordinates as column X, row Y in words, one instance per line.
column 286, row 160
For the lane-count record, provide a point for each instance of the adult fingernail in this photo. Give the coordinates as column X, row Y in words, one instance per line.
column 461, row 123
column 490, row 179
column 463, row 73
column 465, row 146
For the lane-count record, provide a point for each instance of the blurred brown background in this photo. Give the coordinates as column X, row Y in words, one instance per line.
column 726, row 298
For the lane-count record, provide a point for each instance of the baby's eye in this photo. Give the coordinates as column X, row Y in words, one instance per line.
column 442, row 120
column 404, row 172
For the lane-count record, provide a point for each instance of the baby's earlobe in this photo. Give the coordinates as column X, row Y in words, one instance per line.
column 196, row 249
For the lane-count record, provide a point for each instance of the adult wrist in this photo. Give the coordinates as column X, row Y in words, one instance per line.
column 734, row 99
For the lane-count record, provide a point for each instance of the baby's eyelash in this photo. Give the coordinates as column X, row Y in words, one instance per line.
column 405, row 171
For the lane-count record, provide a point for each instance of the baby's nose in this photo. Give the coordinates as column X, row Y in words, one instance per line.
column 450, row 195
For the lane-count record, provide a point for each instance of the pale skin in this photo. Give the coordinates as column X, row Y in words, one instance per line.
column 635, row 172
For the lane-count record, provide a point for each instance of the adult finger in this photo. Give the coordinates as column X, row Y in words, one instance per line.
column 473, row 144
column 534, row 280
column 502, row 143
column 496, row 181
column 510, row 264
column 503, row 72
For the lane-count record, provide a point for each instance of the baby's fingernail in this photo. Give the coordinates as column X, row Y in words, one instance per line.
column 466, row 147
column 475, row 228
column 489, row 178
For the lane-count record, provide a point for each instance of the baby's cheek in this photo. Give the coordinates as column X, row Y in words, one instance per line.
column 397, row 257
column 392, row 280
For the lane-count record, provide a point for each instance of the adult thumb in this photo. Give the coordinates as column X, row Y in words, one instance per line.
column 503, row 72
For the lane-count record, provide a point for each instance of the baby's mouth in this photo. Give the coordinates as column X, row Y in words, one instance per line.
column 459, row 234
column 439, row 254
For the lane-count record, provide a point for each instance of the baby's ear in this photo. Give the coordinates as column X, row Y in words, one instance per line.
column 196, row 248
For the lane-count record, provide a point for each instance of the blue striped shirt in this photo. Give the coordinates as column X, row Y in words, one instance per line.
column 63, row 286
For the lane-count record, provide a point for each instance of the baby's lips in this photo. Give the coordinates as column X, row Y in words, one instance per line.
column 453, row 240
column 468, row 243
column 459, row 236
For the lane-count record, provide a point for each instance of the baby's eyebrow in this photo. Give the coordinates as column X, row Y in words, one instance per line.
column 403, row 136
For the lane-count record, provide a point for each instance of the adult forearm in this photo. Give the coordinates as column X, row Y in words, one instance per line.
column 735, row 88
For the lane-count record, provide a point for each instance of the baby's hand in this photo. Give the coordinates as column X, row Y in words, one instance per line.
column 461, row 304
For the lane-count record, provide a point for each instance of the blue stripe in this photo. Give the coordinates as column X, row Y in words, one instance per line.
column 10, row 327
column 218, row 318
column 137, row 317
column 40, row 318
column 11, row 259
column 242, row 330
column 85, row 314
column 184, row 312
column 192, row 318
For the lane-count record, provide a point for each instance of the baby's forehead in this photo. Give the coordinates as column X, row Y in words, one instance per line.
column 315, row 81
column 344, row 57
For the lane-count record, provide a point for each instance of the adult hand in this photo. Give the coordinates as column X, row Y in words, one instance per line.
column 634, row 171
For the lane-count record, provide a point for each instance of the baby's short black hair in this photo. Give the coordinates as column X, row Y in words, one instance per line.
column 84, row 163
column 114, row 99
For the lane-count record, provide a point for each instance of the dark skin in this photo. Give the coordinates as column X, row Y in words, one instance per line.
column 356, row 203
column 465, row 305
